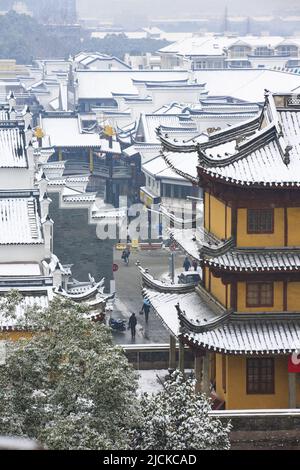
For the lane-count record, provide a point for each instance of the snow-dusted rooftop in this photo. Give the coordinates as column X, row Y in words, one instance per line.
column 17, row 320
column 19, row 221
column 209, row 45
column 103, row 84
column 170, row 123
column 68, row 132
column 247, row 84
column 12, row 148
column 158, row 168
column 19, row 269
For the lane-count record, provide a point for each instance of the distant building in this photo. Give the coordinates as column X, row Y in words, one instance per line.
column 219, row 52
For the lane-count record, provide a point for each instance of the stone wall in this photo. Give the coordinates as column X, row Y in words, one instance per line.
column 75, row 242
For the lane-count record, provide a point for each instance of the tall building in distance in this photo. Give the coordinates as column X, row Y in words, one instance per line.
column 46, row 11
column 54, row 11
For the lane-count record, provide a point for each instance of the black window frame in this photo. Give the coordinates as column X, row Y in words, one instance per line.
column 260, row 376
column 259, row 285
column 258, row 223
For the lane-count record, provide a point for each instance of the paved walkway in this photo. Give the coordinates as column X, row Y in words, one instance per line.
column 129, row 298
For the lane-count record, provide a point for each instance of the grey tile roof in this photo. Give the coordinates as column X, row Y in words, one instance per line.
column 256, row 260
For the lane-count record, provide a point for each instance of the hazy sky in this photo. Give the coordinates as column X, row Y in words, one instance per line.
column 185, row 8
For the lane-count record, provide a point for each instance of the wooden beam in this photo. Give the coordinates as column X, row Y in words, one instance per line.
column 198, row 365
column 172, row 353
column 181, row 356
column 205, row 375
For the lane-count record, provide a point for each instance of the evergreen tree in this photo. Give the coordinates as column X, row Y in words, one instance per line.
column 178, row 419
column 67, row 386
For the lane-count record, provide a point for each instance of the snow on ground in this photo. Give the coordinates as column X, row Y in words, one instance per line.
column 149, row 380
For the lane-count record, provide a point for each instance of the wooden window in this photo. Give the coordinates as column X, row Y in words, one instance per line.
column 259, row 294
column 260, row 221
column 260, row 376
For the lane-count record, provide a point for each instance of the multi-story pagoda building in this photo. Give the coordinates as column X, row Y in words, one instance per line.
column 243, row 321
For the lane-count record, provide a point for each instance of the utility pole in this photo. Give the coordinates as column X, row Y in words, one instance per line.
column 172, row 267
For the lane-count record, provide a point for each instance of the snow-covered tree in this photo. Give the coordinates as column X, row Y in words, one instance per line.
column 177, row 419
column 67, row 386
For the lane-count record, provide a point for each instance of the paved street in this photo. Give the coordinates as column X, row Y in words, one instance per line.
column 129, row 298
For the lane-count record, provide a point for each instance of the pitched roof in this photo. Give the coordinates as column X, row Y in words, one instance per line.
column 20, row 221
column 256, row 260
column 104, row 84
column 12, row 147
column 270, row 157
column 200, row 321
column 250, row 337
column 68, row 132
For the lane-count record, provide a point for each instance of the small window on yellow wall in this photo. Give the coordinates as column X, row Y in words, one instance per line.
column 260, row 376
column 259, row 294
column 260, row 221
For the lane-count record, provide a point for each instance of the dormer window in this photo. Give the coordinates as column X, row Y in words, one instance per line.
column 260, row 221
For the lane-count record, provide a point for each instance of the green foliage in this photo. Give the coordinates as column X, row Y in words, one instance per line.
column 68, row 387
column 24, row 39
column 178, row 419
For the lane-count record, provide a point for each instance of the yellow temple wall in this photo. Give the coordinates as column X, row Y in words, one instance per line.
column 264, row 239
column 236, row 396
column 215, row 215
column 293, row 217
column 218, row 289
column 206, row 197
column 242, row 301
column 293, row 296
column 15, row 335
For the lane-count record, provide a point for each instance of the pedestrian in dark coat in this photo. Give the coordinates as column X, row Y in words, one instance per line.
column 132, row 325
column 195, row 265
column 186, row 264
column 146, row 309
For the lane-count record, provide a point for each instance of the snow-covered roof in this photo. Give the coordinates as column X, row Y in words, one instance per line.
column 104, row 84
column 19, row 221
column 184, row 164
column 261, row 159
column 159, row 169
column 86, row 58
column 263, row 151
column 12, row 148
column 247, row 84
column 17, row 320
column 198, row 46
column 170, row 123
column 68, row 132
column 198, row 320
column 256, row 336
column 256, row 260
column 19, row 269
column 209, row 45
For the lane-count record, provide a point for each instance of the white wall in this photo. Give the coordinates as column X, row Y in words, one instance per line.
column 12, row 178
column 21, row 253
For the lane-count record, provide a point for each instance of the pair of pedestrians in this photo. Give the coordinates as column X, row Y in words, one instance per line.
column 133, row 320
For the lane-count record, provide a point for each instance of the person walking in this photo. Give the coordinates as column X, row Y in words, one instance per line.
column 132, row 325
column 186, row 264
column 146, row 309
column 195, row 265
column 125, row 256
